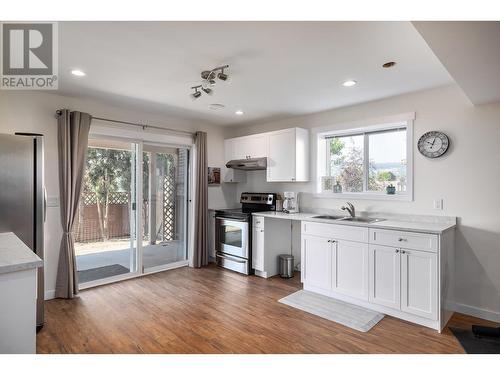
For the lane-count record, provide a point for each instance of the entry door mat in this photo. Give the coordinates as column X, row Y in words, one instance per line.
column 344, row 313
column 98, row 273
column 476, row 345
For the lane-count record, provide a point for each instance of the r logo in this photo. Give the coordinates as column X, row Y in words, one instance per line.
column 28, row 56
column 27, row 49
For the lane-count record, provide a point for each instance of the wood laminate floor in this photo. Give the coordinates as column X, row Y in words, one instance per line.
column 211, row 310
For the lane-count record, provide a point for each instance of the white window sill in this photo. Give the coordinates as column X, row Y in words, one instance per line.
column 368, row 196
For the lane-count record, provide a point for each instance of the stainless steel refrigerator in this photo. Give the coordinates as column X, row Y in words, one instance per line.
column 22, row 196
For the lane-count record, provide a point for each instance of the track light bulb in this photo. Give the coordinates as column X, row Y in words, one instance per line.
column 196, row 94
column 222, row 76
column 207, row 90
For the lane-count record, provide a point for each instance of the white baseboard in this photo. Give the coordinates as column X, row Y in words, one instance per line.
column 494, row 316
column 50, row 294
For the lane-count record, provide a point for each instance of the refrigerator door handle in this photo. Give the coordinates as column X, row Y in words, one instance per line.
column 44, row 204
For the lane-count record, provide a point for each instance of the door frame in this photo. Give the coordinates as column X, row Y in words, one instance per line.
column 113, row 133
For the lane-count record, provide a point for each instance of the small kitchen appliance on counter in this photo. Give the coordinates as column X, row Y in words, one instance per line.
column 233, row 231
column 290, row 202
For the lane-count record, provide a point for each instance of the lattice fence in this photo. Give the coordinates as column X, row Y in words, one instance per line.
column 169, row 202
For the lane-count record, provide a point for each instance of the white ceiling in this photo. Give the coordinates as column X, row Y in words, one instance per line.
column 277, row 69
column 470, row 51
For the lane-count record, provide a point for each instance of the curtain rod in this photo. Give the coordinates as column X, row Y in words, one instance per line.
column 143, row 126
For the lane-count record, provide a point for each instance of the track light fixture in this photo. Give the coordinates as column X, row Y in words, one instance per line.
column 209, row 80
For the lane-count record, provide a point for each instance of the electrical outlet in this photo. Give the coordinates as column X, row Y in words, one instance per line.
column 438, row 204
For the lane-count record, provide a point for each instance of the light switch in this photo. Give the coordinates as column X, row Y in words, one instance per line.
column 438, row 204
column 53, row 201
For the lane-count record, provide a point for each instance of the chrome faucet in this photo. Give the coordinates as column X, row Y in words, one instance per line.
column 349, row 209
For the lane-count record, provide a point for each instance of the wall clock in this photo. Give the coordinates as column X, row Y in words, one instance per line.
column 433, row 144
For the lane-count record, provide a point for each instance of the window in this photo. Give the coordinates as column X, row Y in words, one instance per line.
column 372, row 162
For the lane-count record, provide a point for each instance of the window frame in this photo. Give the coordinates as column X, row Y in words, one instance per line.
column 381, row 125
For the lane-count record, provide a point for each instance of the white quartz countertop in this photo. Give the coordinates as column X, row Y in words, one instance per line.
column 15, row 255
column 411, row 226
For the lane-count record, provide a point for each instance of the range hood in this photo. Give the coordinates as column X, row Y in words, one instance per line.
column 248, row 164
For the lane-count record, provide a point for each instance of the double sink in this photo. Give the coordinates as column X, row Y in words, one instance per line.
column 367, row 220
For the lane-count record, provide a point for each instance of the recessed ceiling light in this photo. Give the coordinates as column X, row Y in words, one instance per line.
column 349, row 83
column 78, row 72
column 238, row 112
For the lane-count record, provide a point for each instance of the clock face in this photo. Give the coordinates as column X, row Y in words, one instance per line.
column 433, row 144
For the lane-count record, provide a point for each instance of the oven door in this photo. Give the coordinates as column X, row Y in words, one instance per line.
column 231, row 237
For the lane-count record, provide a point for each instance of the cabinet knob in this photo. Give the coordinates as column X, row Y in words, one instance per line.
column 403, row 252
column 402, row 239
column 397, row 250
column 262, row 230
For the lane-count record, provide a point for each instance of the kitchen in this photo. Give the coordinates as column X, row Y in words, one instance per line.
column 354, row 215
column 401, row 265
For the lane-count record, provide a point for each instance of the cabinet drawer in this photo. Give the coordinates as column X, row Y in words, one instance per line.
column 407, row 240
column 258, row 222
column 340, row 232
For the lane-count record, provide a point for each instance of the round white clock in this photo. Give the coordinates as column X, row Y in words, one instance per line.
column 433, row 144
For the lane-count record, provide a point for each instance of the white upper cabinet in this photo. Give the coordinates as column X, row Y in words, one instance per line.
column 254, row 146
column 288, row 156
column 230, row 174
column 287, row 153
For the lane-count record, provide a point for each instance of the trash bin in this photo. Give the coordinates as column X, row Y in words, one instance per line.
column 286, row 265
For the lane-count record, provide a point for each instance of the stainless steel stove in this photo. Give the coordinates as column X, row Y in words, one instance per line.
column 233, row 231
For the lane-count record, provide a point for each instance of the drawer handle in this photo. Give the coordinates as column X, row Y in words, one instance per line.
column 332, row 241
column 400, row 239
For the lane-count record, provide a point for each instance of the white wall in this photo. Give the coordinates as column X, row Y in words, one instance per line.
column 34, row 112
column 467, row 178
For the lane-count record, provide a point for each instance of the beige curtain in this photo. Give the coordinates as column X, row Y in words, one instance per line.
column 73, row 134
column 200, row 256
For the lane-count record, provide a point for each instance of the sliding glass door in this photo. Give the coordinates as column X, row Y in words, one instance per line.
column 165, row 188
column 118, row 175
column 105, row 225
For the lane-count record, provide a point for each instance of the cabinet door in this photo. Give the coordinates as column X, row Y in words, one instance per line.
column 419, row 283
column 384, row 276
column 350, row 268
column 230, row 174
column 258, row 249
column 254, row 146
column 317, row 262
column 281, row 156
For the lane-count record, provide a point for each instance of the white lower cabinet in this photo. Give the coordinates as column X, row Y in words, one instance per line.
column 258, row 248
column 385, row 271
column 402, row 282
column 350, row 268
column 317, row 262
column 419, row 284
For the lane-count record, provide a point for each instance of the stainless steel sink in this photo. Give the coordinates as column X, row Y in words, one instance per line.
column 357, row 219
column 329, row 217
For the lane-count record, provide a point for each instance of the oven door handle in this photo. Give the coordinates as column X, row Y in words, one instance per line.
column 230, row 258
column 230, row 219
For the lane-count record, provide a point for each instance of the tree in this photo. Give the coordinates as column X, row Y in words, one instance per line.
column 336, row 146
column 386, row 176
column 352, row 171
column 108, row 171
